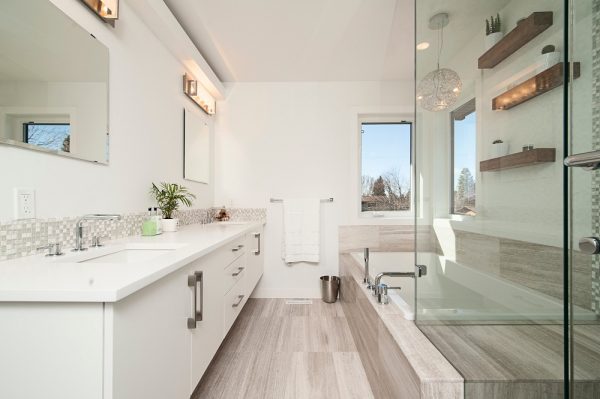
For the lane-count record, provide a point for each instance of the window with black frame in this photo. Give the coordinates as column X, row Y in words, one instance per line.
column 463, row 177
column 52, row 136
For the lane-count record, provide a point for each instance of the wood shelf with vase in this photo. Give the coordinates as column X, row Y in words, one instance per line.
column 519, row 159
column 525, row 30
column 541, row 83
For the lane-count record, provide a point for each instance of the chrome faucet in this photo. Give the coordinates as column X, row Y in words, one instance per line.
column 79, row 227
column 381, row 290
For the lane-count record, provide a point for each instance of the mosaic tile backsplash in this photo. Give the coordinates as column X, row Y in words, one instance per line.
column 24, row 237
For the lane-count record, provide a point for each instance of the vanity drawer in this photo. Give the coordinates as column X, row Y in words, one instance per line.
column 234, row 249
column 234, row 301
column 234, row 273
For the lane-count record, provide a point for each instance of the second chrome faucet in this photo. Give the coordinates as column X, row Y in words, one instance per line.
column 79, row 227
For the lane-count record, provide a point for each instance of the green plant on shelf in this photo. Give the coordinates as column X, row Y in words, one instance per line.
column 493, row 25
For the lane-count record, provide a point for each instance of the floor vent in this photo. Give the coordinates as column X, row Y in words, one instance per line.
column 298, row 301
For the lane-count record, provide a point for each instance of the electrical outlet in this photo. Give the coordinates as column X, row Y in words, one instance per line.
column 24, row 203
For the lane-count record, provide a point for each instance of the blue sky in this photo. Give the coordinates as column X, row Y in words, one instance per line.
column 465, row 147
column 386, row 147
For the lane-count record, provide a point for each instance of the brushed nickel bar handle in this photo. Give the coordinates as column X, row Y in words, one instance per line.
column 240, row 299
column 240, row 270
column 191, row 321
column 193, row 281
column 257, row 236
column 587, row 160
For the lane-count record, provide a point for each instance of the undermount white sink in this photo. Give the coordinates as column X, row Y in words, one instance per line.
column 127, row 256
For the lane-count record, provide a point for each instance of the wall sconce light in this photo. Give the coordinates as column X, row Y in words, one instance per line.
column 107, row 10
column 198, row 94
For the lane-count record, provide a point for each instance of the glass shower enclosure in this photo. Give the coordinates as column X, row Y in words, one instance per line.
column 506, row 90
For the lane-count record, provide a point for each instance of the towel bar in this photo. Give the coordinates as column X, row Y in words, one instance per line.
column 322, row 200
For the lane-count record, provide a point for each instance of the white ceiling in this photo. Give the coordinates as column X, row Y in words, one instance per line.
column 307, row 40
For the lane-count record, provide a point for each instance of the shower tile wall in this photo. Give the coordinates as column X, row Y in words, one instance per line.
column 596, row 145
column 535, row 266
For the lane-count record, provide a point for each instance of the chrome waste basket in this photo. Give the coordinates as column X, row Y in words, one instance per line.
column 330, row 287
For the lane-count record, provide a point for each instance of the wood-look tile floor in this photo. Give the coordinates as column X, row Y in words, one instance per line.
column 287, row 351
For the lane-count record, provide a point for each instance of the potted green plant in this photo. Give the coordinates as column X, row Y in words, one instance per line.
column 549, row 58
column 499, row 148
column 168, row 197
column 493, row 31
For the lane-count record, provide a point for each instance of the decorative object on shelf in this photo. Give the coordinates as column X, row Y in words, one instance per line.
column 107, row 10
column 222, row 216
column 549, row 58
column 169, row 196
column 439, row 89
column 526, row 30
column 528, row 147
column 493, row 31
column 519, row 159
column 533, row 87
column 499, row 149
column 198, row 94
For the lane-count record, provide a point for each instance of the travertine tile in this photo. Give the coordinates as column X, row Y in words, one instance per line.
column 275, row 350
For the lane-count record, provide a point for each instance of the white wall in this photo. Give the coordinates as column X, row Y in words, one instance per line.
column 289, row 140
column 146, row 136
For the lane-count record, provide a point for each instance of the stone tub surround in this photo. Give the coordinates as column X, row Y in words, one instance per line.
column 399, row 360
column 22, row 237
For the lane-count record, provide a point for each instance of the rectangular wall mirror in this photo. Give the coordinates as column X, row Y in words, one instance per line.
column 53, row 83
column 196, row 143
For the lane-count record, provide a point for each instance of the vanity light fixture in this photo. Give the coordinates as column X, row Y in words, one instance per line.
column 198, row 94
column 107, row 10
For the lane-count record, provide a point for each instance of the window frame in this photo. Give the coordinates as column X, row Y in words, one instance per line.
column 463, row 110
column 388, row 119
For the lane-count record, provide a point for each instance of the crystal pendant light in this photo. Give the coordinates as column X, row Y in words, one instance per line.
column 439, row 89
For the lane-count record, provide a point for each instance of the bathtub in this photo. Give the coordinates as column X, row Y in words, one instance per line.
column 451, row 291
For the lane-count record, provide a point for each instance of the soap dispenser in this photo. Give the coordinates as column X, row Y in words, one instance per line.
column 149, row 225
column 158, row 220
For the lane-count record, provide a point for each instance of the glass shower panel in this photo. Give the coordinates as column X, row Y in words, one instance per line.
column 584, row 198
column 492, row 301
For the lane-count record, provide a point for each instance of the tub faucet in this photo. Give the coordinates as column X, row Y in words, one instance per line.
column 79, row 227
column 380, row 290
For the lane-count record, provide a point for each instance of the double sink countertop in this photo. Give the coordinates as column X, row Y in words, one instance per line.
column 116, row 270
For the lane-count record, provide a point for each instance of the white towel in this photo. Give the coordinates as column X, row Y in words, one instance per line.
column 301, row 230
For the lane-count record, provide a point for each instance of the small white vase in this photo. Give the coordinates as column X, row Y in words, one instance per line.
column 548, row 60
column 170, row 225
column 499, row 150
column 492, row 39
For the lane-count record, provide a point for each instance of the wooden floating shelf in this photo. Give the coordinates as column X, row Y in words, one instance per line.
column 541, row 83
column 519, row 159
column 526, row 30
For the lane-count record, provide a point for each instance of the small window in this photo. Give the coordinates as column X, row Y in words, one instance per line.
column 53, row 136
column 386, row 167
column 464, row 160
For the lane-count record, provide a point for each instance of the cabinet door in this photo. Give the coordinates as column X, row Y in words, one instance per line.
column 208, row 332
column 150, row 342
column 256, row 258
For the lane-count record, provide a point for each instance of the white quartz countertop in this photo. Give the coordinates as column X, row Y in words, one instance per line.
column 64, row 279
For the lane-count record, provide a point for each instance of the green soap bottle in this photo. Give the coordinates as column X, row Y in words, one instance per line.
column 149, row 225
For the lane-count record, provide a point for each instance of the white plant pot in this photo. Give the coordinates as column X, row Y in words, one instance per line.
column 492, row 39
column 499, row 150
column 548, row 60
column 170, row 225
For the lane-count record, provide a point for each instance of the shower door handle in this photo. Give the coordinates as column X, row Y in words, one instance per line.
column 587, row 160
column 589, row 245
